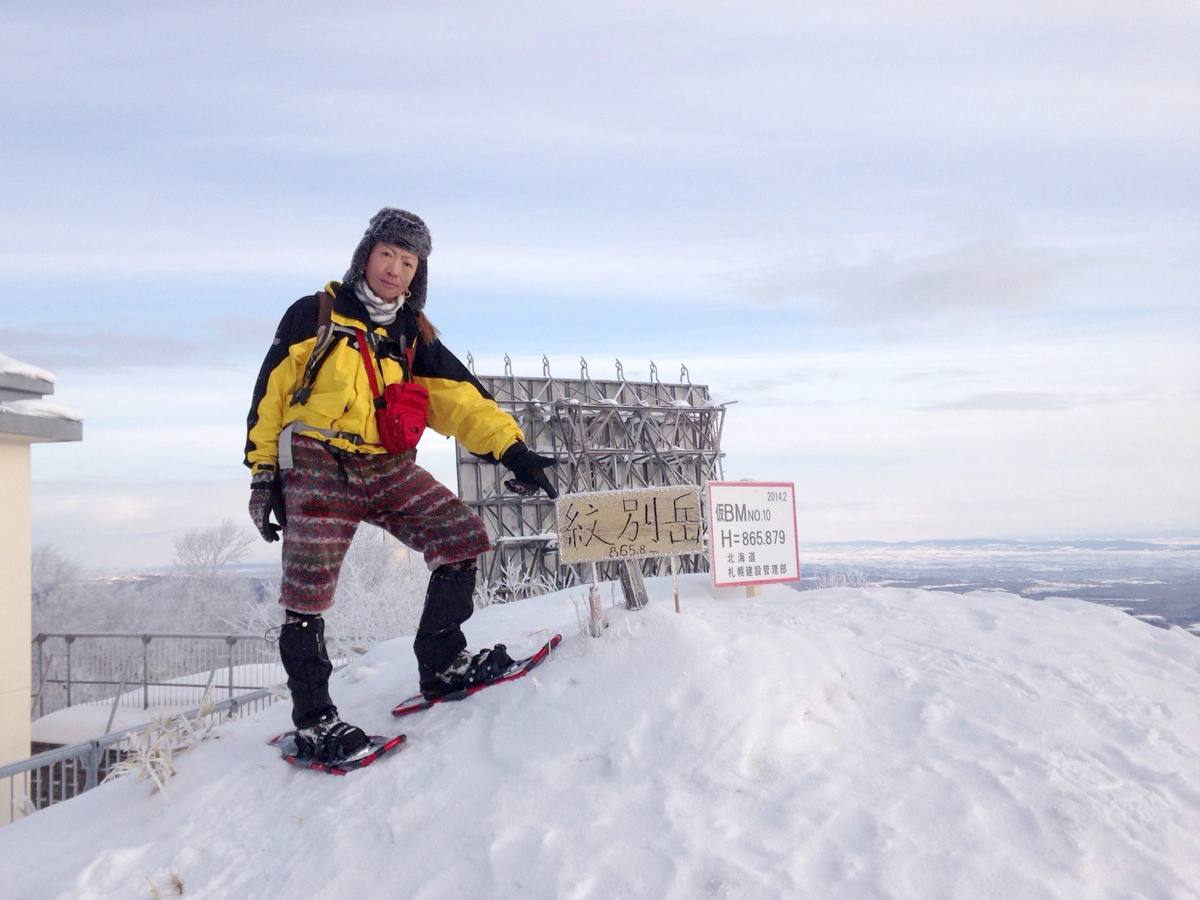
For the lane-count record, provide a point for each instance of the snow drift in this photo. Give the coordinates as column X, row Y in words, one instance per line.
column 841, row 743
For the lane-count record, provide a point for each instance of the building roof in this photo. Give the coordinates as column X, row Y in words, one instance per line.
column 26, row 413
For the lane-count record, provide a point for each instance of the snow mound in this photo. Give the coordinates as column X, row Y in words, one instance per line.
column 843, row 743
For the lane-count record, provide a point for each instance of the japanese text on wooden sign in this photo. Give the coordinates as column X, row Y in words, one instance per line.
column 752, row 533
column 613, row 525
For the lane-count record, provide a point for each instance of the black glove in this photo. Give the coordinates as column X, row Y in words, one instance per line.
column 266, row 497
column 528, row 467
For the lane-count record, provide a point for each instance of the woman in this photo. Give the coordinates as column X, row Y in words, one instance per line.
column 319, row 464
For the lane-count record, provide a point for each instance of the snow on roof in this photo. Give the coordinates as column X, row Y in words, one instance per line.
column 10, row 366
column 44, row 408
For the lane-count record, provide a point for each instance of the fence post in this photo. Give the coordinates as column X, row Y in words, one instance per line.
column 70, row 639
column 40, row 640
column 145, row 671
column 93, row 765
column 230, row 641
column 112, row 713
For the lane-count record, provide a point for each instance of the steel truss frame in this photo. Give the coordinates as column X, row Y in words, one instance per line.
column 605, row 435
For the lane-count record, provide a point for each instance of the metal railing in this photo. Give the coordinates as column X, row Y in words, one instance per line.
column 147, row 669
column 56, row 775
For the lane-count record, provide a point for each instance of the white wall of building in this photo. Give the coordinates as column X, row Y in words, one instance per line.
column 15, row 612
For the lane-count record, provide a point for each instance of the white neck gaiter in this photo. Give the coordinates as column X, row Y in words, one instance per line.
column 382, row 312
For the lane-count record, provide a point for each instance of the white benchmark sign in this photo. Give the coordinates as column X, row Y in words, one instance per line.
column 752, row 532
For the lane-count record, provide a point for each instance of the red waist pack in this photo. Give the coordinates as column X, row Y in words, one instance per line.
column 401, row 418
column 401, row 410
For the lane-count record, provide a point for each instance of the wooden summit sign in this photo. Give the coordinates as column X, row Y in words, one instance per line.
column 604, row 526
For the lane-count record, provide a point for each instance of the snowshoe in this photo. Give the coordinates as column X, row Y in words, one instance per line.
column 329, row 743
column 467, row 671
column 375, row 747
column 484, row 669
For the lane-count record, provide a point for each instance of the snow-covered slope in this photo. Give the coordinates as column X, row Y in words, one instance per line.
column 878, row 743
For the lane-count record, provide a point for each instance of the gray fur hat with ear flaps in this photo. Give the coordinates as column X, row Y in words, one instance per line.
column 395, row 226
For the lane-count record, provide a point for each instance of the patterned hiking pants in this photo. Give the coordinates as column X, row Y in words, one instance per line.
column 330, row 491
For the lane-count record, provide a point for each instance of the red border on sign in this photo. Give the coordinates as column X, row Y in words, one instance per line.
column 712, row 560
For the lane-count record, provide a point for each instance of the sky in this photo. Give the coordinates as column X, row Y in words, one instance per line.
column 940, row 259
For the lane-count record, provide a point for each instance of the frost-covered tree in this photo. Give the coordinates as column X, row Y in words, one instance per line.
column 380, row 594
column 851, row 578
column 515, row 583
column 52, row 569
column 56, row 583
column 203, row 552
column 381, row 590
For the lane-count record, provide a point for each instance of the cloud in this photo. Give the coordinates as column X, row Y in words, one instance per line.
column 112, row 524
column 1007, row 401
column 71, row 350
column 968, row 280
column 943, row 375
column 1038, row 401
column 216, row 341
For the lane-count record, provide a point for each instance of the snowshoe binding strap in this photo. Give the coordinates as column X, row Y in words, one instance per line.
column 332, row 744
column 488, row 665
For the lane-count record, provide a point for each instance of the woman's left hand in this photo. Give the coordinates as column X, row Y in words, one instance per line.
column 530, row 469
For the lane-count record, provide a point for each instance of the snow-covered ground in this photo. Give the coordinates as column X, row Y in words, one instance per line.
column 839, row 743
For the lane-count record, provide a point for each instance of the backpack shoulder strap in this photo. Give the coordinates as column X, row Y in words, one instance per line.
column 324, row 339
column 324, row 321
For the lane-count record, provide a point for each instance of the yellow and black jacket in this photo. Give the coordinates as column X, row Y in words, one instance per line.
column 339, row 408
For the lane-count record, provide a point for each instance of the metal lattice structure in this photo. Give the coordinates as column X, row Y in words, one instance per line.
column 605, row 435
